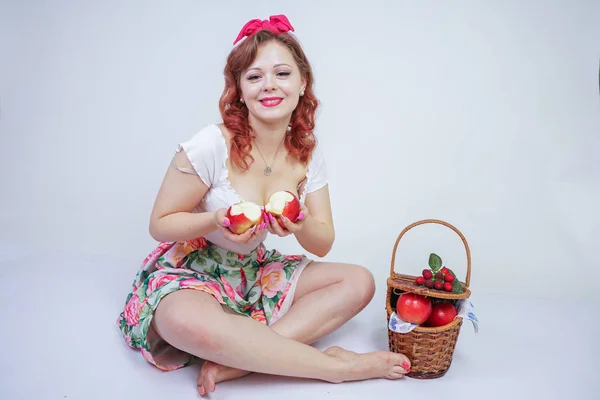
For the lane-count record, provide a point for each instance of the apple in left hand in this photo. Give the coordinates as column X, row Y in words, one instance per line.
column 283, row 203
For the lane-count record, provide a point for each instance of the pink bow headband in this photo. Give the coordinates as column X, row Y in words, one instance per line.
column 276, row 24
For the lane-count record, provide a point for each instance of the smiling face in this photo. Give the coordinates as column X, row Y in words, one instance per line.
column 271, row 85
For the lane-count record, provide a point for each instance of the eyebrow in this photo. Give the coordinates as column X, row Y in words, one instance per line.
column 274, row 66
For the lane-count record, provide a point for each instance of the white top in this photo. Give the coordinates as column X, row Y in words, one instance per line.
column 207, row 151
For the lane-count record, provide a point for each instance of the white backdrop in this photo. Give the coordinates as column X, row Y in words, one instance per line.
column 482, row 114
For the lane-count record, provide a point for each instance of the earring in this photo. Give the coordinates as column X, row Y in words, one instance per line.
column 302, row 92
column 241, row 100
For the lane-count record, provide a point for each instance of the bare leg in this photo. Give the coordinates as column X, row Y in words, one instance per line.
column 327, row 296
column 240, row 342
column 345, row 289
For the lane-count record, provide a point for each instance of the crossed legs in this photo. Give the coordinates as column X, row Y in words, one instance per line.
column 326, row 297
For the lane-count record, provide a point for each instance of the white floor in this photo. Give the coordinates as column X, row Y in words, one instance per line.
column 60, row 342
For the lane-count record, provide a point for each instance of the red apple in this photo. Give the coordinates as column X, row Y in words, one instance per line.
column 441, row 314
column 243, row 216
column 283, row 203
column 413, row 308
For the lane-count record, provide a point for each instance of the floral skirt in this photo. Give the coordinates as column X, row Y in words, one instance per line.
column 259, row 285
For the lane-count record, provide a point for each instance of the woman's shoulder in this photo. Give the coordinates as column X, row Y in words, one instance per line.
column 226, row 133
column 208, row 133
column 209, row 139
column 316, row 155
column 317, row 169
column 206, row 150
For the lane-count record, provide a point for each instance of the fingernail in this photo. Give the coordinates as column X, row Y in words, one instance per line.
column 271, row 218
column 226, row 222
column 301, row 216
column 405, row 365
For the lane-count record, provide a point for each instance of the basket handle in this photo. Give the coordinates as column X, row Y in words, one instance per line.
column 435, row 221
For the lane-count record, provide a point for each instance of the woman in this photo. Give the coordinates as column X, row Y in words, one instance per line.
column 208, row 293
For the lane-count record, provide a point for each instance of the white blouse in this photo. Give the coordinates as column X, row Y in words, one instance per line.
column 207, row 152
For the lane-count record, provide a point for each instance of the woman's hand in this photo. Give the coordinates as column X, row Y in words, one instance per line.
column 290, row 227
column 250, row 235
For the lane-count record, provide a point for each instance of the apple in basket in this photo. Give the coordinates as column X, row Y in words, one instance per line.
column 243, row 216
column 441, row 314
column 283, row 203
column 413, row 308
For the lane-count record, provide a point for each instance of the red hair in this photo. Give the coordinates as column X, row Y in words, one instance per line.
column 300, row 141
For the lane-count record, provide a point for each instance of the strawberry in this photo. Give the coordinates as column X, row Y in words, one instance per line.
column 444, row 270
column 448, row 286
column 449, row 278
column 427, row 274
column 439, row 275
column 429, row 283
column 420, row 280
column 438, row 285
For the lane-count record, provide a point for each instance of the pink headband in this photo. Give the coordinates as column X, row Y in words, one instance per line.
column 276, row 24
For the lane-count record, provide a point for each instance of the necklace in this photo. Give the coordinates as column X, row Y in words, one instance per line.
column 268, row 169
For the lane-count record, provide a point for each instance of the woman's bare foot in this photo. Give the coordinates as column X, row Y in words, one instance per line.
column 212, row 373
column 378, row 364
column 341, row 353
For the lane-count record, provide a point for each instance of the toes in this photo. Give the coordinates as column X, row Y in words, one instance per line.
column 400, row 365
column 201, row 390
column 209, row 382
column 398, row 372
column 402, row 361
column 406, row 365
column 406, row 361
column 206, row 385
column 206, row 379
column 199, row 385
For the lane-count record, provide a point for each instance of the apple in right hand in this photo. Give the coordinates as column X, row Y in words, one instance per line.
column 243, row 216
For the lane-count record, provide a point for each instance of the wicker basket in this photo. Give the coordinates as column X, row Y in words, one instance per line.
column 429, row 349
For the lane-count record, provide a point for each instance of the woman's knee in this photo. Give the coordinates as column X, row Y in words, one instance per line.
column 189, row 318
column 362, row 284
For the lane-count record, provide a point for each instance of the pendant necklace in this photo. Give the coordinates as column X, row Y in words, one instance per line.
column 268, row 169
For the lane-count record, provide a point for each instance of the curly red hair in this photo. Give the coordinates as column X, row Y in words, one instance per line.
column 300, row 141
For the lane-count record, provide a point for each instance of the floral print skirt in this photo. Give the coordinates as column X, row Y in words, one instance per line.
column 259, row 285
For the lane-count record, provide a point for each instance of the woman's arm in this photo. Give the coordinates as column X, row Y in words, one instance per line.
column 172, row 218
column 317, row 234
column 314, row 230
